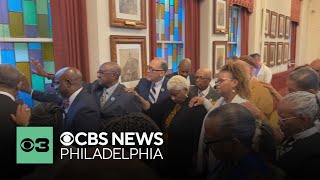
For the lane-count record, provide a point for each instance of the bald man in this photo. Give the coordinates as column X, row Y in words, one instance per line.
column 184, row 70
column 260, row 96
column 82, row 114
column 153, row 88
column 203, row 87
column 110, row 95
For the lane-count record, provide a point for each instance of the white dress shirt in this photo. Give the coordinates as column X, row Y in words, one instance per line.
column 72, row 97
column 158, row 86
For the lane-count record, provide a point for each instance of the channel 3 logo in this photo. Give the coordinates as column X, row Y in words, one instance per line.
column 34, row 145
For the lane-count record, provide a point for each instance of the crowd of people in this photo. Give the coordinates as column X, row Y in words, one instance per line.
column 241, row 128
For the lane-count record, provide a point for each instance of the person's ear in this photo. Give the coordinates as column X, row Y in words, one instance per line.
column 235, row 83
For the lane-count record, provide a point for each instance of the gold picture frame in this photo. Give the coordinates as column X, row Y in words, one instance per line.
column 273, row 24
column 129, row 52
column 220, row 22
column 272, row 54
column 287, row 28
column 219, row 55
column 281, row 25
column 267, row 23
column 128, row 13
column 279, row 58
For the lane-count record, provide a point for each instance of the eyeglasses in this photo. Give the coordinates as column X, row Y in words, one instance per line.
column 151, row 69
column 103, row 73
column 221, row 80
column 200, row 77
column 285, row 119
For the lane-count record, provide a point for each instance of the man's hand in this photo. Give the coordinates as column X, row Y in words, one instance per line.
column 22, row 116
column 24, row 85
column 196, row 101
column 39, row 69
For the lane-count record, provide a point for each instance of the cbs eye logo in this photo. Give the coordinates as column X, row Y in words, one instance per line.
column 40, row 145
column 66, row 138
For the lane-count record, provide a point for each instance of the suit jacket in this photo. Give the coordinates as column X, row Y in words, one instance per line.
column 191, row 76
column 143, row 88
column 261, row 97
column 302, row 161
column 119, row 103
column 8, row 140
column 183, row 134
column 213, row 96
column 83, row 114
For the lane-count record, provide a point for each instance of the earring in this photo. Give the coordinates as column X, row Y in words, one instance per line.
column 233, row 91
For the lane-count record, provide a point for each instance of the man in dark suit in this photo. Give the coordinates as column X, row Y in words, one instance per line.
column 110, row 95
column 11, row 115
column 82, row 114
column 153, row 88
column 184, row 70
column 202, row 87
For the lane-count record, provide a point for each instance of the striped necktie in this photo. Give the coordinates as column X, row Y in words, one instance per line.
column 103, row 97
column 153, row 93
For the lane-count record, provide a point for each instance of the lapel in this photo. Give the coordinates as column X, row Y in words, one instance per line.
column 113, row 97
column 97, row 91
column 146, row 91
column 73, row 107
column 163, row 91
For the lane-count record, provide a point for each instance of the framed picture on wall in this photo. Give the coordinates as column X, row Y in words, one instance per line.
column 128, row 13
column 130, row 53
column 267, row 23
column 219, row 55
column 281, row 25
column 272, row 54
column 266, row 53
column 273, row 26
column 279, row 53
column 287, row 28
column 285, row 53
column 220, row 17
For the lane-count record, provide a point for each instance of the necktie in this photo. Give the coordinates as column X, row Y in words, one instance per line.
column 103, row 97
column 286, row 146
column 200, row 94
column 65, row 104
column 153, row 93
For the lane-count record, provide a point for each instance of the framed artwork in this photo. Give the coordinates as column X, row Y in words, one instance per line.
column 219, row 55
column 273, row 24
column 281, row 25
column 279, row 53
column 272, row 54
column 285, row 53
column 266, row 53
column 287, row 29
column 128, row 13
column 130, row 53
column 220, row 22
column 267, row 23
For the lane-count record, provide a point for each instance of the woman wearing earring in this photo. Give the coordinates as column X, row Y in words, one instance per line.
column 180, row 125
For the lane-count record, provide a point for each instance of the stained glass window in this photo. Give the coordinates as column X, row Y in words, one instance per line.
column 170, row 31
column 234, row 32
column 25, row 33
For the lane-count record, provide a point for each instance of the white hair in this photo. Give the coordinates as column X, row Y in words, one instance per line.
column 303, row 104
column 177, row 83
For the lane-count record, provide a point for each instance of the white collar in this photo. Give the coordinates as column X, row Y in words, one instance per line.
column 206, row 91
column 159, row 82
column 73, row 96
column 306, row 133
column 8, row 94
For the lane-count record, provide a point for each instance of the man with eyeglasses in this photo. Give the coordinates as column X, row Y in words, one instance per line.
column 184, row 71
column 110, row 94
column 153, row 88
column 203, row 87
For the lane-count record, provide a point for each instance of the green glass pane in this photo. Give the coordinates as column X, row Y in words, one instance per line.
column 24, row 68
column 4, row 30
column 42, row 7
column 21, row 52
column 47, row 51
column 48, row 67
column 43, row 25
column 16, row 22
column 29, row 12
column 37, row 82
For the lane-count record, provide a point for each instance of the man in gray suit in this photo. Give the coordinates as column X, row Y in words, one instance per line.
column 110, row 95
column 202, row 87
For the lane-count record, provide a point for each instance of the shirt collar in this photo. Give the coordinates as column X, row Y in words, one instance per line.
column 9, row 95
column 159, row 82
column 206, row 91
column 306, row 133
column 111, row 89
column 73, row 96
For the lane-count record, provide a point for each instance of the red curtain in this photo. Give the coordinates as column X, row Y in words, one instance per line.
column 192, row 35
column 152, row 29
column 295, row 10
column 249, row 4
column 69, row 31
column 294, row 26
column 244, row 31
